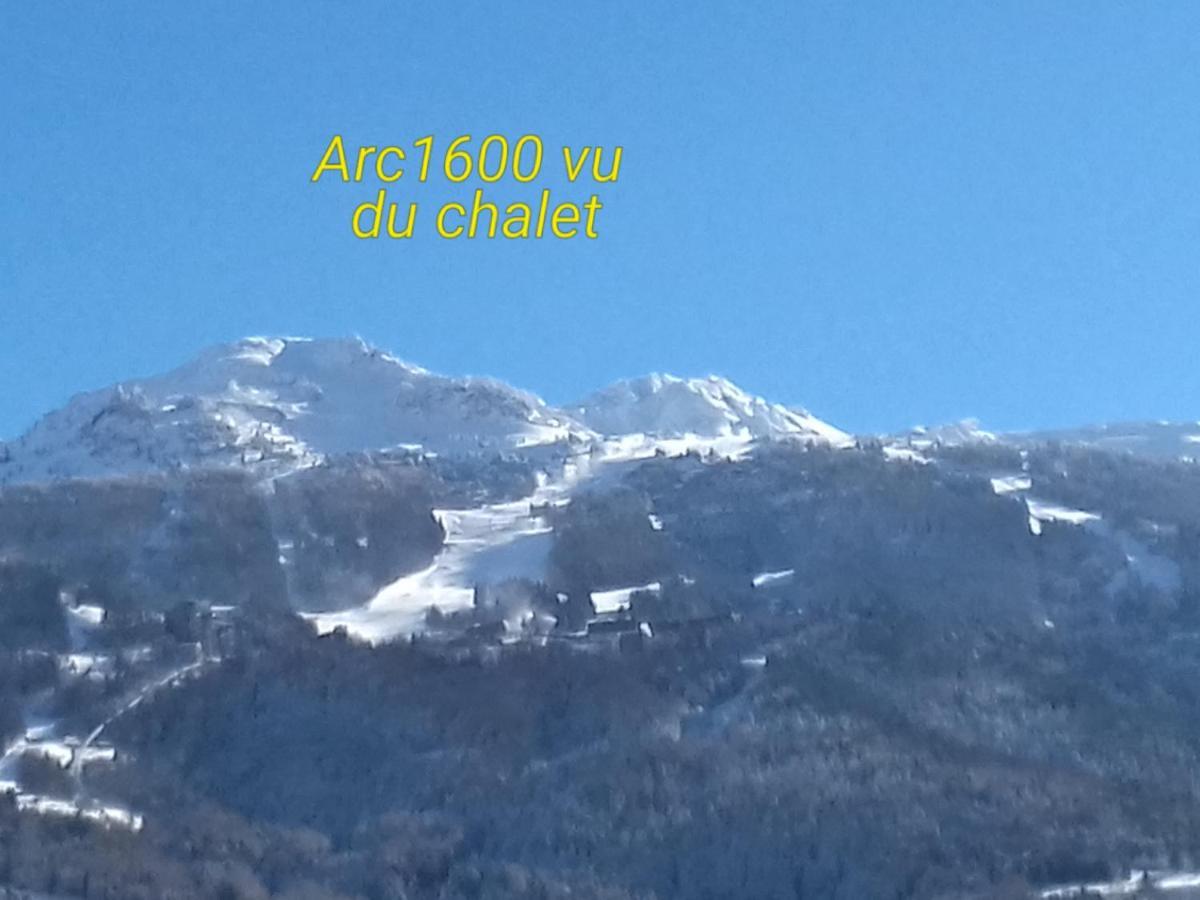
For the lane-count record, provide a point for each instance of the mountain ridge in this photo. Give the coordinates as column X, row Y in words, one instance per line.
column 273, row 405
column 281, row 404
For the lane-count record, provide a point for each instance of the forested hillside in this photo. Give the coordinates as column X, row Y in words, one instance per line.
column 843, row 673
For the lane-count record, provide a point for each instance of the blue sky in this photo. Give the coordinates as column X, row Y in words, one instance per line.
column 888, row 212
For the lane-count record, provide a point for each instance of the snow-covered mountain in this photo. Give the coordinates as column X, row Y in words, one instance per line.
column 1155, row 440
column 279, row 404
column 953, row 434
column 274, row 405
column 1162, row 440
column 666, row 406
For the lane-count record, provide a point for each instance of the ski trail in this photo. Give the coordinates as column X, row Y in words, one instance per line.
column 486, row 544
column 503, row 540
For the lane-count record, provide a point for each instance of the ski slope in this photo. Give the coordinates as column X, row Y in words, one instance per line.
column 506, row 540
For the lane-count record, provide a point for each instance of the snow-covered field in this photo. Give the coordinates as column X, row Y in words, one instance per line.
column 616, row 600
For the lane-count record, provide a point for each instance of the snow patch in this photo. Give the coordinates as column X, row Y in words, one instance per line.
column 1011, row 484
column 1137, row 881
column 1150, row 568
column 766, row 579
column 617, row 600
column 905, row 454
column 955, row 434
column 1050, row 512
column 106, row 816
column 87, row 614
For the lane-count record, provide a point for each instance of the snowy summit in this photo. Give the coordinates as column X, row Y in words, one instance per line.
column 278, row 404
column 667, row 406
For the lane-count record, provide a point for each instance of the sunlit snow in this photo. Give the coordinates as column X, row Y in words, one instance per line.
column 1011, row 484
column 905, row 454
column 616, row 600
column 1137, row 882
column 1051, row 512
column 766, row 579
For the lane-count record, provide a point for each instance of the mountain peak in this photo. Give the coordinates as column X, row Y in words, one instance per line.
column 669, row 406
column 275, row 404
